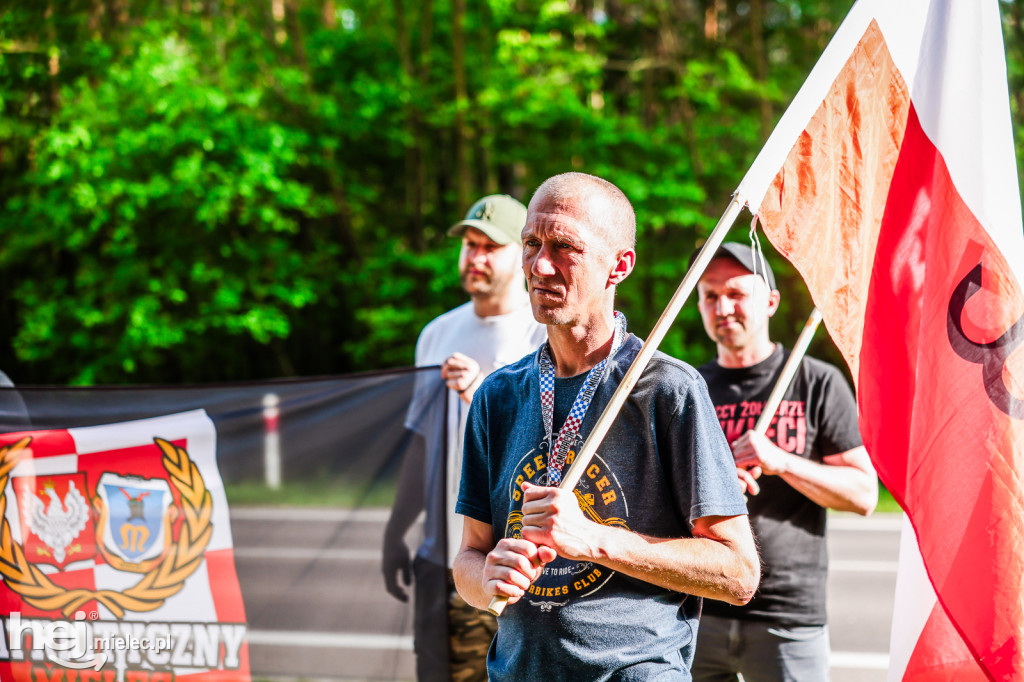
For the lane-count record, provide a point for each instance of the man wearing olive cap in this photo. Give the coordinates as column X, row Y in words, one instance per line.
column 495, row 328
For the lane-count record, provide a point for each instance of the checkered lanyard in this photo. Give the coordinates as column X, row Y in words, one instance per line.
column 567, row 434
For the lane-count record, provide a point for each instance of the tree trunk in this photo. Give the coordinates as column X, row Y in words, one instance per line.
column 330, row 14
column 760, row 62
column 293, row 25
column 413, row 180
column 96, row 23
column 426, row 136
column 343, row 213
column 54, row 59
column 486, row 179
column 269, row 23
column 712, row 12
column 461, row 140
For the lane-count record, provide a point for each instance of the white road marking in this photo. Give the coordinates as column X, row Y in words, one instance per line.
column 314, row 554
column 856, row 660
column 859, row 660
column 836, row 520
column 852, row 522
column 367, row 515
column 329, row 640
column 863, row 566
column 307, row 554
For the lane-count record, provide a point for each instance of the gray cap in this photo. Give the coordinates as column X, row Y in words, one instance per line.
column 499, row 216
column 744, row 255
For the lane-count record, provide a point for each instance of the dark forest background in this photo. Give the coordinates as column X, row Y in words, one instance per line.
column 211, row 190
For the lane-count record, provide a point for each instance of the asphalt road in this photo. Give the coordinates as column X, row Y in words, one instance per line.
column 862, row 581
column 317, row 609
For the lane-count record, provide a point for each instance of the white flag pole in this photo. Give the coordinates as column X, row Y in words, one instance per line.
column 788, row 372
column 572, row 475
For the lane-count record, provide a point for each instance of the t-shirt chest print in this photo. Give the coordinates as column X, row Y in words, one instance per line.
column 598, row 492
column 788, row 428
column 602, row 500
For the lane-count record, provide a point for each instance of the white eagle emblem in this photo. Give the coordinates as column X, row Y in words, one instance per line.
column 58, row 522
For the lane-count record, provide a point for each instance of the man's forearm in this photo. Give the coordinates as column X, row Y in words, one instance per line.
column 845, row 481
column 844, row 488
column 468, row 570
column 699, row 566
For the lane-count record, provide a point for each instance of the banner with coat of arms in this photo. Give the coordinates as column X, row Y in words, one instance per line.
column 228, row 533
column 123, row 531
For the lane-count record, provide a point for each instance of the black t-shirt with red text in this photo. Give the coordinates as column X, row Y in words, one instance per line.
column 817, row 417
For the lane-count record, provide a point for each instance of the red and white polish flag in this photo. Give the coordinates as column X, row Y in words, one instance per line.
column 891, row 185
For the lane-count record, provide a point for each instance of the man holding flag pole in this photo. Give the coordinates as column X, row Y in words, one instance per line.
column 794, row 463
column 603, row 579
column 891, row 185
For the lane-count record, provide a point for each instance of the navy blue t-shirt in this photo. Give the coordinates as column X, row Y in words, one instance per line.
column 663, row 464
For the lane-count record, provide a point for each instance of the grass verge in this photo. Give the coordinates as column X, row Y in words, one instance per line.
column 337, row 493
column 311, row 493
column 886, row 502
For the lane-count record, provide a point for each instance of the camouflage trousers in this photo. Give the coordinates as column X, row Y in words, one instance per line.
column 460, row 653
column 470, row 632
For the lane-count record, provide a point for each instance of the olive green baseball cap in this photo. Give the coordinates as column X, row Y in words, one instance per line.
column 499, row 216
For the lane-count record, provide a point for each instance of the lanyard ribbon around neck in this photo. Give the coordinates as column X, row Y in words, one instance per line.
column 559, row 449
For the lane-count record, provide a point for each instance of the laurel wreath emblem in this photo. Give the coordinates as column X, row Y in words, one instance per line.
column 162, row 582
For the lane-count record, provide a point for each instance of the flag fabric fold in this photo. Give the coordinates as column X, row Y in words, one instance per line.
column 891, row 185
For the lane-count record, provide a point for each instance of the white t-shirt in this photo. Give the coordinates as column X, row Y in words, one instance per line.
column 493, row 342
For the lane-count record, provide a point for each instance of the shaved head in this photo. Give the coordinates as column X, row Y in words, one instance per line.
column 607, row 209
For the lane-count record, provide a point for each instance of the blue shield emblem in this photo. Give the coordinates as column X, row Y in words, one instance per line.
column 135, row 524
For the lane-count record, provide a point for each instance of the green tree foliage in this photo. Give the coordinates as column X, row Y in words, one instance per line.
column 201, row 190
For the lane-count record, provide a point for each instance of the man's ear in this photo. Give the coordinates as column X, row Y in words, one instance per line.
column 623, row 266
column 773, row 301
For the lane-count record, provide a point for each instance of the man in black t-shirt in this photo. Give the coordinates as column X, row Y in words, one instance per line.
column 810, row 459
